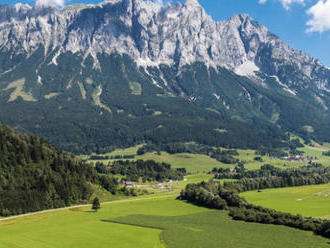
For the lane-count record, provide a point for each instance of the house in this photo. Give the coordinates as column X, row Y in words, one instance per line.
column 129, row 184
column 126, row 183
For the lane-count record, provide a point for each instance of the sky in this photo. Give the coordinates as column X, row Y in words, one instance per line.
column 303, row 24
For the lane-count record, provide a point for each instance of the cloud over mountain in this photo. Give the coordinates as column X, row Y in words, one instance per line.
column 320, row 17
column 60, row 3
column 286, row 3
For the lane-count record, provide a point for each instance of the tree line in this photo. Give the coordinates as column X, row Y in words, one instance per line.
column 147, row 170
column 214, row 195
column 226, row 156
column 271, row 177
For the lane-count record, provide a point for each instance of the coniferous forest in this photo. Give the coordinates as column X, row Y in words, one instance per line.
column 34, row 175
column 147, row 170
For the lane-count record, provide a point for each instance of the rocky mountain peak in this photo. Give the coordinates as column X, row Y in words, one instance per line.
column 174, row 34
column 192, row 3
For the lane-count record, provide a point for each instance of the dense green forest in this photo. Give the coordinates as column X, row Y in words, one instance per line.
column 34, row 175
column 147, row 170
column 186, row 110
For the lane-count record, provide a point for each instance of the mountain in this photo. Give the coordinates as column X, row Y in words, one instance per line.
column 122, row 72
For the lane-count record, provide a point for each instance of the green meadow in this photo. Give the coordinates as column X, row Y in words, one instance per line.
column 194, row 163
column 157, row 220
column 312, row 200
column 198, row 163
column 148, row 223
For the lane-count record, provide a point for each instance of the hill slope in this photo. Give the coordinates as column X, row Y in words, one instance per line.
column 34, row 175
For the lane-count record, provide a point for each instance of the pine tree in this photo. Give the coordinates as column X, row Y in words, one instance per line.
column 96, row 204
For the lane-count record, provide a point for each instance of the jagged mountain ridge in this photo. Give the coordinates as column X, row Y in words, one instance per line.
column 125, row 61
column 175, row 34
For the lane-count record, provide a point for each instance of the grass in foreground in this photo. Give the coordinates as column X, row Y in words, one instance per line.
column 312, row 200
column 216, row 229
column 148, row 223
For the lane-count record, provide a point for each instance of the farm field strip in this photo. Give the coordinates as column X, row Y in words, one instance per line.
column 153, row 223
column 84, row 205
column 311, row 200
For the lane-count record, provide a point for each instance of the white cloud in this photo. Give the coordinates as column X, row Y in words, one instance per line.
column 60, row 3
column 286, row 3
column 320, row 20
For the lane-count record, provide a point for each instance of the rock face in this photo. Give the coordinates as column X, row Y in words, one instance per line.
column 234, row 67
column 174, row 34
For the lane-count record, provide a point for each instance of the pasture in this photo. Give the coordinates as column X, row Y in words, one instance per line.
column 311, row 200
column 193, row 163
column 198, row 163
column 148, row 223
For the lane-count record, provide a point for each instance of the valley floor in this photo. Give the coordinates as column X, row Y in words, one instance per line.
column 158, row 220
column 154, row 223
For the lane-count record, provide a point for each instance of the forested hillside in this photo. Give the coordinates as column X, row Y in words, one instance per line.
column 34, row 175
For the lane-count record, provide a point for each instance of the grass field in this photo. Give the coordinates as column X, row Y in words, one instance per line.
column 194, row 163
column 313, row 200
column 149, row 223
column 197, row 163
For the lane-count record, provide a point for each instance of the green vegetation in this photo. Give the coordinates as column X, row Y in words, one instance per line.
column 214, row 195
column 117, row 118
column 225, row 156
column 96, row 204
column 311, row 200
column 149, row 223
column 210, row 229
column 311, row 174
column 34, row 175
column 147, row 170
column 136, row 88
column 193, row 163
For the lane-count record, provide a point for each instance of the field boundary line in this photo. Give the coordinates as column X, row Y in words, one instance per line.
column 81, row 206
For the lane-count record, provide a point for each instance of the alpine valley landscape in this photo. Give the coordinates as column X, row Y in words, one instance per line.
column 137, row 123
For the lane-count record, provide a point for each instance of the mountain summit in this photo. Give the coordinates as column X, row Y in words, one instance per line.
column 123, row 60
column 152, row 34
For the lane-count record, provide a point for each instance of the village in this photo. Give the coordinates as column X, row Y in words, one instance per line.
column 298, row 158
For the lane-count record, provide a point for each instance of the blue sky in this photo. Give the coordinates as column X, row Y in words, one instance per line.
column 286, row 18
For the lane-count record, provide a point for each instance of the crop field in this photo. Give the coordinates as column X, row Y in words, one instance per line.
column 148, row 223
column 312, row 200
